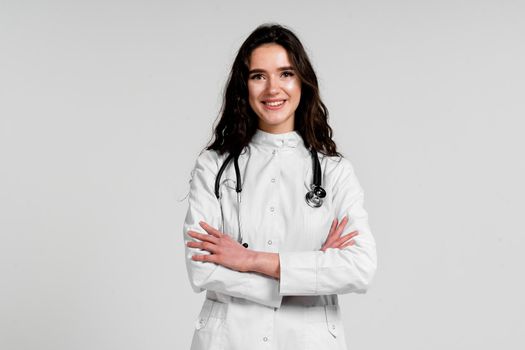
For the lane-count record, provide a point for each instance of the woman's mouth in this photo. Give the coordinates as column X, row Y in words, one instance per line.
column 273, row 105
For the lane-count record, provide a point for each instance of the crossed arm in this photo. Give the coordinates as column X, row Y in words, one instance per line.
column 216, row 262
column 229, row 253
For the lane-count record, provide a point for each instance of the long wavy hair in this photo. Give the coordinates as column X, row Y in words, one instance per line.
column 238, row 122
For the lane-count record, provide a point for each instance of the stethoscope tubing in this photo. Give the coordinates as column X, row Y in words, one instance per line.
column 316, row 191
column 314, row 197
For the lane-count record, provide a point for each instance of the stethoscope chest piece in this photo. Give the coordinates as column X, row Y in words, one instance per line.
column 314, row 197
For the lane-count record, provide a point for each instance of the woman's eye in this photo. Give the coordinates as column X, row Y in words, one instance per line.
column 288, row 74
column 256, row 76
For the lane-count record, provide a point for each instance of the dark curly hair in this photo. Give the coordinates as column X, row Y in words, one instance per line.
column 238, row 122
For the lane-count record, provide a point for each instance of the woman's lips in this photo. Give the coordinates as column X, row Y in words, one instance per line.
column 273, row 105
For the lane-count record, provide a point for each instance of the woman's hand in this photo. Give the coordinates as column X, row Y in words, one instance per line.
column 224, row 250
column 334, row 239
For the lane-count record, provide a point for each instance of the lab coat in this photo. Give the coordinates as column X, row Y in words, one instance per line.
column 251, row 311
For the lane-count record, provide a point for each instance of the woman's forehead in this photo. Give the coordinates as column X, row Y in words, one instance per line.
column 269, row 56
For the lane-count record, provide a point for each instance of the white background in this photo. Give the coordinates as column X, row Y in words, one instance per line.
column 105, row 106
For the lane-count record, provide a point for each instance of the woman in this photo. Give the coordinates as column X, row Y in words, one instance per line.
column 272, row 262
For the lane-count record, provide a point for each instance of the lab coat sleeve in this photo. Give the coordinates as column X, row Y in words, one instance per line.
column 204, row 206
column 335, row 271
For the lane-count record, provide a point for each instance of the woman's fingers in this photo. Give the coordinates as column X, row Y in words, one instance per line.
column 205, row 257
column 331, row 233
column 335, row 230
column 203, row 237
column 349, row 243
column 213, row 235
column 211, row 230
column 212, row 248
column 345, row 238
column 341, row 242
column 332, row 227
column 342, row 225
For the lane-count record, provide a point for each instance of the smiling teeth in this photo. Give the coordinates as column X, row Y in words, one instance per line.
column 274, row 104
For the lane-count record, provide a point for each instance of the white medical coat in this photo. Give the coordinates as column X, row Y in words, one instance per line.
column 248, row 310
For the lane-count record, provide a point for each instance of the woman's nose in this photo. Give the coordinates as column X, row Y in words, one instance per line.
column 273, row 85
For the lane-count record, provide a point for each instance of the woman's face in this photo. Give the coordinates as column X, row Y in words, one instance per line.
column 274, row 90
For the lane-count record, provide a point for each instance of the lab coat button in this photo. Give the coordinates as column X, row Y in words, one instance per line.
column 270, row 242
column 265, row 339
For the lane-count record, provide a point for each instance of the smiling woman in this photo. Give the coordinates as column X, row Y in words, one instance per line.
column 271, row 259
column 274, row 90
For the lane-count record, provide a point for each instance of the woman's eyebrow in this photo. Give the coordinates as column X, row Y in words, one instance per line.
column 259, row 70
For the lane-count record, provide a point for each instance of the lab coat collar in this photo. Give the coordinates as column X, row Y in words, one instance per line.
column 290, row 139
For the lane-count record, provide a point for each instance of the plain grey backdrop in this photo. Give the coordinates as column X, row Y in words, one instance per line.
column 105, row 106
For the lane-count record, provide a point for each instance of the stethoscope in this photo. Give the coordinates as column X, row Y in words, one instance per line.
column 314, row 197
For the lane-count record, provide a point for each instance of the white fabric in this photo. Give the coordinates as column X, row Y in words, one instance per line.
column 300, row 311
